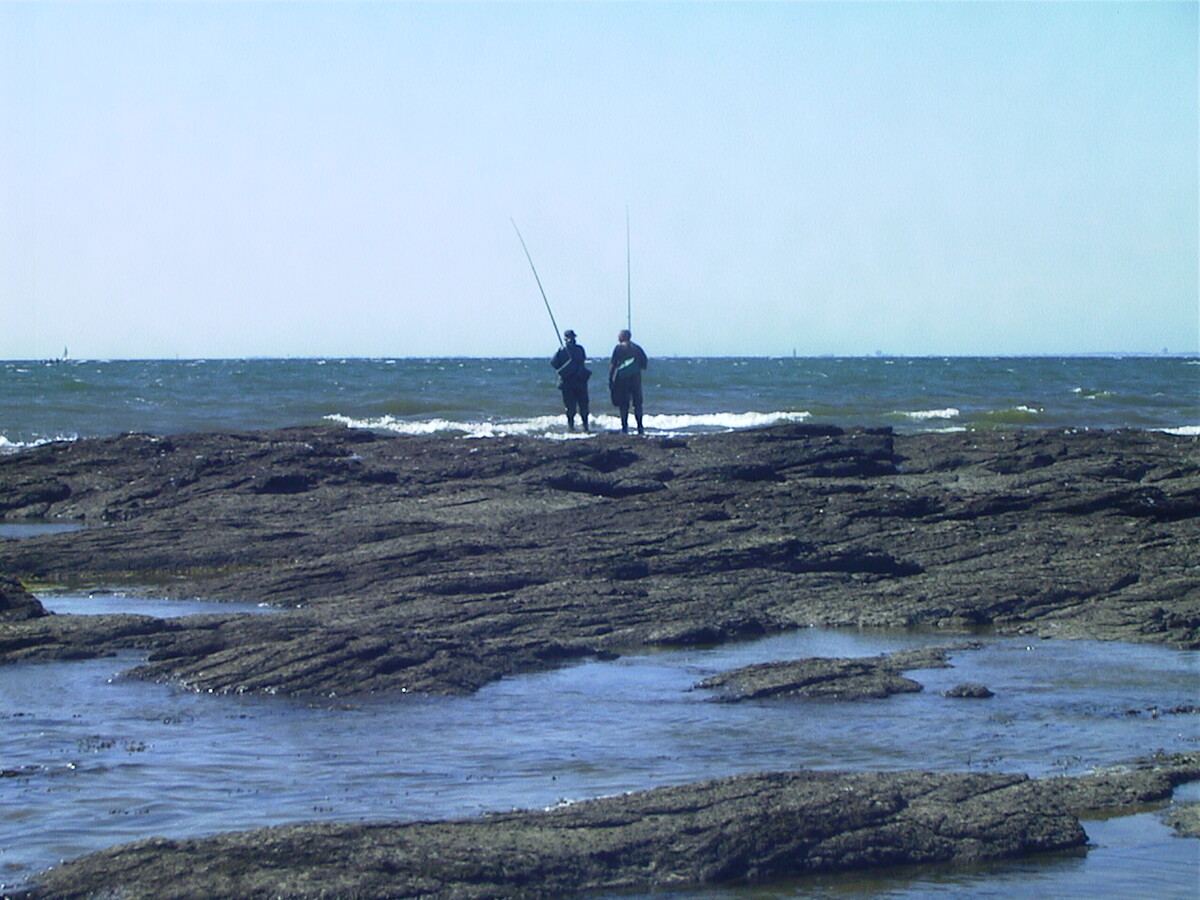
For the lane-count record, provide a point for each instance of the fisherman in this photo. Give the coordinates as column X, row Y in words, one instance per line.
column 625, row 379
column 573, row 378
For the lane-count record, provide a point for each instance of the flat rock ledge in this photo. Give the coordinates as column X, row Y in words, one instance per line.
column 437, row 566
column 741, row 830
column 828, row 678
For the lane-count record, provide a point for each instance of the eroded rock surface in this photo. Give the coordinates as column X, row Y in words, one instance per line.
column 437, row 565
column 830, row 679
column 747, row 829
column 1185, row 819
column 16, row 603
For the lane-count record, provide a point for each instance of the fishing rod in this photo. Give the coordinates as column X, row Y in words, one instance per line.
column 557, row 333
column 628, row 278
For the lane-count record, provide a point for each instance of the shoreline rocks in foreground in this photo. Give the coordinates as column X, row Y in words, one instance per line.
column 742, row 830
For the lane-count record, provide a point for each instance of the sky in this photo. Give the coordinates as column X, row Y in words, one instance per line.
column 761, row 179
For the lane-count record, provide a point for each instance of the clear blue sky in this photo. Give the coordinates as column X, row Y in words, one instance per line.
column 338, row 179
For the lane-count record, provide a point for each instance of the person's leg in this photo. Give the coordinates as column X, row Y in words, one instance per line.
column 636, row 390
column 621, row 398
column 569, row 403
column 583, row 408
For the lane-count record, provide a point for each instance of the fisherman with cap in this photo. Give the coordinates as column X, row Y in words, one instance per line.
column 625, row 379
column 573, row 378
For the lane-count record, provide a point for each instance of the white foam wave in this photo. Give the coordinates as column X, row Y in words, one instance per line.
column 921, row 415
column 447, row 426
column 1185, row 430
column 7, row 446
column 555, row 426
column 717, row 421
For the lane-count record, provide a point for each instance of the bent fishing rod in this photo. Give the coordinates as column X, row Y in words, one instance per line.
column 557, row 333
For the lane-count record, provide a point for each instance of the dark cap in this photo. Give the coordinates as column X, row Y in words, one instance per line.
column 568, row 333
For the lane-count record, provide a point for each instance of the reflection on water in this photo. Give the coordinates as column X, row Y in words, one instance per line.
column 92, row 761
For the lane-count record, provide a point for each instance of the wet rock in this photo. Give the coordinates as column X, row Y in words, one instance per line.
column 830, row 679
column 969, row 692
column 1185, row 819
column 476, row 559
column 16, row 603
column 835, row 679
column 1126, row 787
column 33, row 495
column 748, row 829
column 751, row 829
column 22, row 772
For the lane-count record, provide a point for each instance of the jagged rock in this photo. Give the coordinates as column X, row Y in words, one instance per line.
column 16, row 603
column 969, row 692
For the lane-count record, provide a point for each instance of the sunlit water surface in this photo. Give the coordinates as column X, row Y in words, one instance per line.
column 91, row 759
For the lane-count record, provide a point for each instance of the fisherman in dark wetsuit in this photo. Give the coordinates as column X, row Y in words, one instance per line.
column 573, row 378
column 625, row 379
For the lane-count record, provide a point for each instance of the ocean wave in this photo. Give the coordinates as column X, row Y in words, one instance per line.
column 555, row 426
column 921, row 415
column 7, row 446
column 446, row 426
column 1185, row 430
column 716, row 421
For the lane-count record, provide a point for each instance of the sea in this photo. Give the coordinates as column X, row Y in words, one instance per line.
column 90, row 758
column 63, row 400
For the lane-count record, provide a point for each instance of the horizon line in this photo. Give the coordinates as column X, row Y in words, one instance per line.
column 1114, row 354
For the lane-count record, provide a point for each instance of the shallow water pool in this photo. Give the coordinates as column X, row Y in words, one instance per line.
column 34, row 527
column 92, row 759
column 95, row 604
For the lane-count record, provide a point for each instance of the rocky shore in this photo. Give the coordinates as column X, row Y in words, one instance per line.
column 743, row 830
column 435, row 565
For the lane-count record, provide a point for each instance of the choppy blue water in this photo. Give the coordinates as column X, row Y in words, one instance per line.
column 41, row 401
